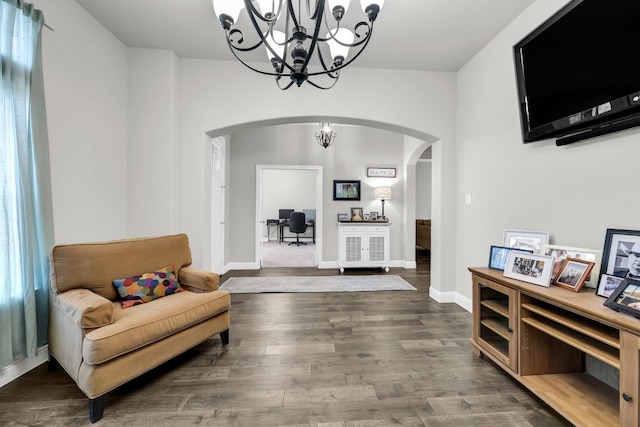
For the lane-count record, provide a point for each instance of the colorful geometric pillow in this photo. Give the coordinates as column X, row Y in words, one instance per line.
column 147, row 287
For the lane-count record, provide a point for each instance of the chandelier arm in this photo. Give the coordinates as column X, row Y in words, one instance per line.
column 346, row 63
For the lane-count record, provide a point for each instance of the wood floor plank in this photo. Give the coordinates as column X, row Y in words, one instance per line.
column 315, row 359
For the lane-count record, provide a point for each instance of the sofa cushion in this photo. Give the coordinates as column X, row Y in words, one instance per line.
column 144, row 324
column 147, row 287
column 94, row 266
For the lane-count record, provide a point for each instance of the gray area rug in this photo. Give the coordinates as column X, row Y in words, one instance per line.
column 254, row 285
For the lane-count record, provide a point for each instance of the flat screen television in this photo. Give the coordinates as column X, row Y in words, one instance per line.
column 578, row 73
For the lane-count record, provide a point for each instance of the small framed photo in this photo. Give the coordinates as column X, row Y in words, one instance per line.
column 381, row 172
column 560, row 253
column 366, row 217
column 573, row 274
column 530, row 240
column 626, row 298
column 621, row 254
column 373, row 216
column 608, row 284
column 356, row 214
column 343, row 217
column 498, row 256
column 346, row 190
column 529, row 267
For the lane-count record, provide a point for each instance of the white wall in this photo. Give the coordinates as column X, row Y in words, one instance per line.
column 423, row 190
column 288, row 189
column 575, row 192
column 85, row 72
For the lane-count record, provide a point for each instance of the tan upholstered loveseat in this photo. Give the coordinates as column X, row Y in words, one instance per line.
column 102, row 345
column 423, row 233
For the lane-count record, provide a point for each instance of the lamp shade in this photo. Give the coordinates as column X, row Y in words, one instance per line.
column 231, row 8
column 383, row 193
column 343, row 36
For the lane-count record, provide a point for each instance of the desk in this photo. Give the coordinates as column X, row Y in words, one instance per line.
column 285, row 223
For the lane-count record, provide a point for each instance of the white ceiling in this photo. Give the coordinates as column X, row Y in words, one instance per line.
column 433, row 35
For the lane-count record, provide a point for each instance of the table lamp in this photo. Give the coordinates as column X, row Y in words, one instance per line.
column 383, row 193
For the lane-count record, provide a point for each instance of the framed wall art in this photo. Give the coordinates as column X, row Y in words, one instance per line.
column 573, row 273
column 529, row 267
column 381, row 172
column 560, row 253
column 530, row 240
column 346, row 190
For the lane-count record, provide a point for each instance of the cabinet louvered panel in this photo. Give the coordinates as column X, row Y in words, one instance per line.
column 376, row 248
column 353, row 248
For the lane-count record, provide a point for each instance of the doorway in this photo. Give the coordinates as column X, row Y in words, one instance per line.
column 281, row 189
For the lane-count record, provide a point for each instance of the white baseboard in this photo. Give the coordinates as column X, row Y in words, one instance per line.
column 23, row 366
column 448, row 297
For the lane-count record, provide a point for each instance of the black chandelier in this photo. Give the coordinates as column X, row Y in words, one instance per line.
column 326, row 136
column 281, row 27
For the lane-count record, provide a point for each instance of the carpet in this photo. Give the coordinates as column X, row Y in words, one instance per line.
column 254, row 285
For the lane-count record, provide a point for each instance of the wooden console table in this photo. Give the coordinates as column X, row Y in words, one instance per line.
column 540, row 336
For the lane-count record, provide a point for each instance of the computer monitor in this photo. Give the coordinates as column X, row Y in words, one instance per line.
column 310, row 214
column 284, row 213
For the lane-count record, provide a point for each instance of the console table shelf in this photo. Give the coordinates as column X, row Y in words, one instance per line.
column 543, row 336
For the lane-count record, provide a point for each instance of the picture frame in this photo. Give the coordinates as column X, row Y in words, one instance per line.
column 373, row 216
column 380, row 172
column 356, row 214
column 560, row 253
column 608, row 284
column 626, row 298
column 346, row 190
column 522, row 239
column 529, row 267
column 343, row 217
column 498, row 256
column 619, row 257
column 366, row 217
column 573, row 274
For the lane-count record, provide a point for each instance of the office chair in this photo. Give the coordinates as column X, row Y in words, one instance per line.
column 297, row 224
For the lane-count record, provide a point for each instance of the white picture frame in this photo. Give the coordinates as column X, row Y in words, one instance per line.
column 528, row 267
column 522, row 239
column 560, row 253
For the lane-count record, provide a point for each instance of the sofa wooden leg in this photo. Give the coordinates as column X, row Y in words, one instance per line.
column 224, row 336
column 52, row 364
column 96, row 408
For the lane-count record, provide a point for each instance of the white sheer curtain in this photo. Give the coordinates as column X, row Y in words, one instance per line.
column 26, row 218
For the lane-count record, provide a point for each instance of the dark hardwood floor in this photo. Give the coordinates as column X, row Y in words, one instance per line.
column 308, row 359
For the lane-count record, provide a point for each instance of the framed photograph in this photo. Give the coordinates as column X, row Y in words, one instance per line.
column 560, row 253
column 498, row 256
column 346, row 190
column 626, row 298
column 356, row 214
column 529, row 267
column 621, row 254
column 573, row 274
column 366, row 217
column 608, row 284
column 373, row 216
column 530, row 240
column 381, row 172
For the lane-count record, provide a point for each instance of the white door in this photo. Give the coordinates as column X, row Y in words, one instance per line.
column 217, row 204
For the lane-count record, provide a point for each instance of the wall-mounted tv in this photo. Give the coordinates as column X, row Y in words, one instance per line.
column 578, row 73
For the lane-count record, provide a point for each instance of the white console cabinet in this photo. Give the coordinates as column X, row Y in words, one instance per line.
column 363, row 244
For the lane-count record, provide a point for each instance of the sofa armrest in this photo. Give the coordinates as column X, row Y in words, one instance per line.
column 197, row 280
column 86, row 309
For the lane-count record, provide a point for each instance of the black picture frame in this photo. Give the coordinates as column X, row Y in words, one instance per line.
column 498, row 256
column 346, row 190
column 626, row 298
column 618, row 245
